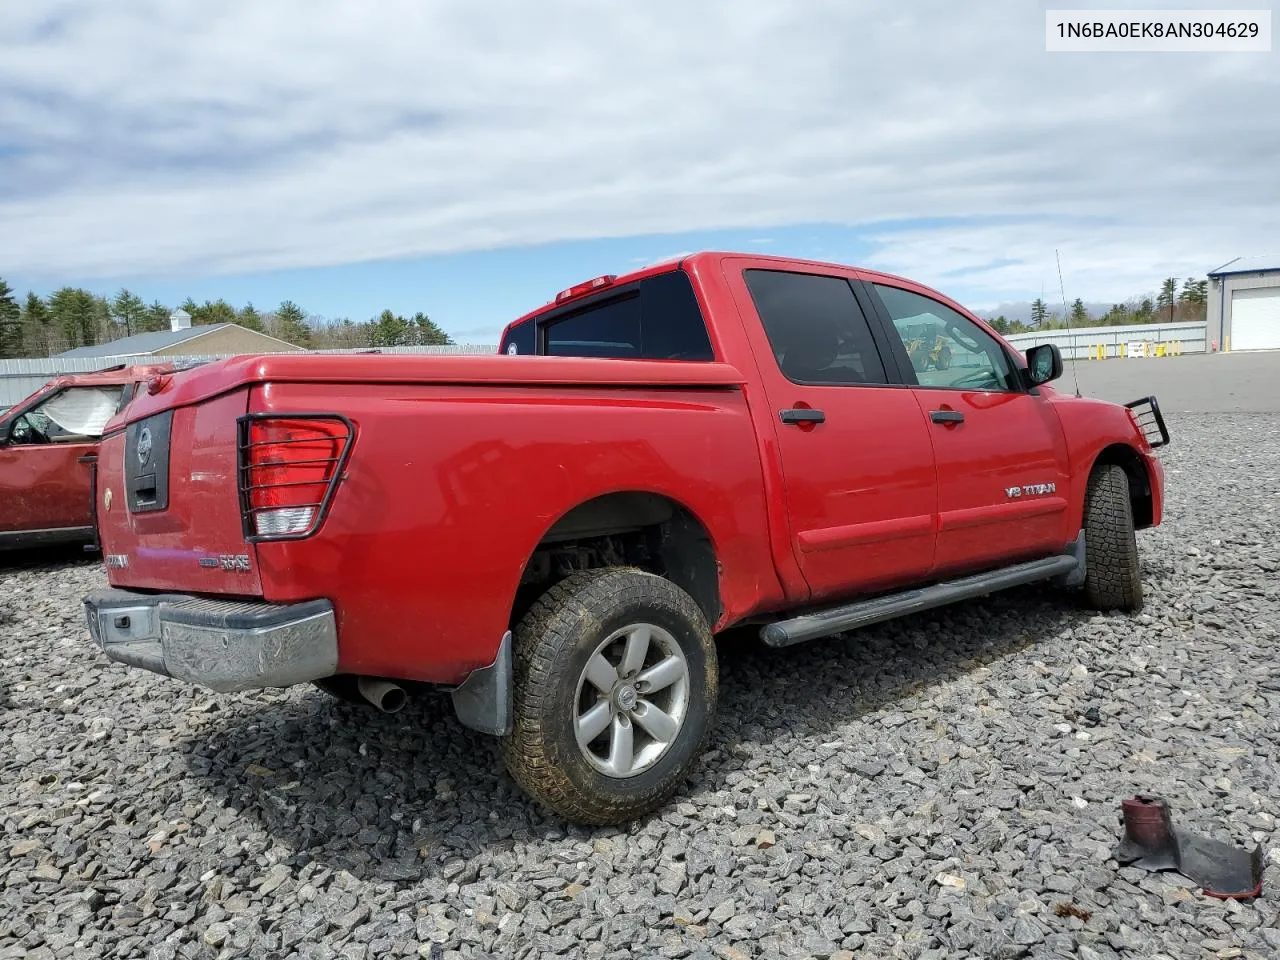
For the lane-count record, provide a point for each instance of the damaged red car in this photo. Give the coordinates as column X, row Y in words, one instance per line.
column 47, row 446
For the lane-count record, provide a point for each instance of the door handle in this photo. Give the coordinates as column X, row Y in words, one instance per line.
column 946, row 416
column 802, row 415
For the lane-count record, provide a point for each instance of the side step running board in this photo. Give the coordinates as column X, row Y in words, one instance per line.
column 824, row 623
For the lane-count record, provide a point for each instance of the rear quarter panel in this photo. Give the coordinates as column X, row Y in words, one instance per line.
column 449, row 488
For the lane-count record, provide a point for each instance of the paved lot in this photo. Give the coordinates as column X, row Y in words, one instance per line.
column 925, row 789
column 1213, row 383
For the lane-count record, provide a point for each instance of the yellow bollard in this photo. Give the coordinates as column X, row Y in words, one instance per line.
column 1159, row 349
column 1226, row 344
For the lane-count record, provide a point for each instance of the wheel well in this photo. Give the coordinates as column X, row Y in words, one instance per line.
column 1123, row 455
column 644, row 530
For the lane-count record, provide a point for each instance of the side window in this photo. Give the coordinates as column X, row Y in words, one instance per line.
column 946, row 348
column 520, row 339
column 657, row 320
column 76, row 415
column 816, row 328
column 672, row 324
column 609, row 329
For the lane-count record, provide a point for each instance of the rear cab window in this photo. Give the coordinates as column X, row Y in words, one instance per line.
column 656, row 318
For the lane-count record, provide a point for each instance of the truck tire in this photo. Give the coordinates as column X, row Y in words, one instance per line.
column 1113, row 580
column 615, row 692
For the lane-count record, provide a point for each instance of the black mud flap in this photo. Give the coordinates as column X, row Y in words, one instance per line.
column 484, row 700
column 1151, row 842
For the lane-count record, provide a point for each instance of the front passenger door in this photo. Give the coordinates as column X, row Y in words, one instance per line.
column 44, row 485
column 1003, row 470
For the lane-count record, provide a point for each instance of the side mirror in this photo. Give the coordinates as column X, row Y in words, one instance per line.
column 1044, row 363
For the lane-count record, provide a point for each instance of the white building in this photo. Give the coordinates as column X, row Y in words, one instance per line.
column 1244, row 304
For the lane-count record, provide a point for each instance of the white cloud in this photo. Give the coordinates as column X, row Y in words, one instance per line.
column 142, row 136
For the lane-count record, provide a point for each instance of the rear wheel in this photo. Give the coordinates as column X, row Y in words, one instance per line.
column 615, row 692
column 1113, row 579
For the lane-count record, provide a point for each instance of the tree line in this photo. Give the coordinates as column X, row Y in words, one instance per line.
column 1170, row 305
column 72, row 317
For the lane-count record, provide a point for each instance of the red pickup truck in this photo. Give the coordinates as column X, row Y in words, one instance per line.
column 554, row 534
column 47, row 444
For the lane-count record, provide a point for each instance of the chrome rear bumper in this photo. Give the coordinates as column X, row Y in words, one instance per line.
column 225, row 645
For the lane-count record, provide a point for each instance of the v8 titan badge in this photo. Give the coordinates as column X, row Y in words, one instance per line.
column 1030, row 490
column 106, row 499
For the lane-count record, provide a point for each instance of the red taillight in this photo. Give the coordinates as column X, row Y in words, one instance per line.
column 586, row 287
column 289, row 467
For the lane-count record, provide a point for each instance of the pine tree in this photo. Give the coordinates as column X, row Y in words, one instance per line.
column 1195, row 293
column 210, row 312
column 387, row 330
column 75, row 312
column 128, row 310
column 1039, row 312
column 11, row 340
column 156, row 317
column 35, row 323
column 1079, row 315
column 291, row 324
column 1168, row 296
column 250, row 318
column 429, row 331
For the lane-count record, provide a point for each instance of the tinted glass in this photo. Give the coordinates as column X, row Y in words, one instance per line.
column 816, row 328
column 946, row 348
column 519, row 339
column 672, row 324
column 657, row 320
column 608, row 329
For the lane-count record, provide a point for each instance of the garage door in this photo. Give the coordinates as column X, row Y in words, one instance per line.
column 1255, row 319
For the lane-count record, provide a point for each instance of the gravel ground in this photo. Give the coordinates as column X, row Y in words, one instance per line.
column 926, row 789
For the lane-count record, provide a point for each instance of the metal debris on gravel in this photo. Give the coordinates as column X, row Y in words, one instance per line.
column 943, row 786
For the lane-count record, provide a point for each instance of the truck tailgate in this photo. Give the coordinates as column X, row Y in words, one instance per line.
column 168, row 504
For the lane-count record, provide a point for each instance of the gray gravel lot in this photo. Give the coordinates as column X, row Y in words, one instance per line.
column 924, row 789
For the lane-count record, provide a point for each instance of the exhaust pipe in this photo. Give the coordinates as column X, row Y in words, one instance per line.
column 386, row 696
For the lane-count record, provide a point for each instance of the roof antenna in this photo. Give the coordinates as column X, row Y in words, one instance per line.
column 1066, row 319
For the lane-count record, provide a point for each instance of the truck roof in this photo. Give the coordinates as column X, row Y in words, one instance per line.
column 669, row 264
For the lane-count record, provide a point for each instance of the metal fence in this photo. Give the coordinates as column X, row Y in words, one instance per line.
column 21, row 378
column 1100, row 343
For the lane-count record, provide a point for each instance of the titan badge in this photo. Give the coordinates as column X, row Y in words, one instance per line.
column 1030, row 490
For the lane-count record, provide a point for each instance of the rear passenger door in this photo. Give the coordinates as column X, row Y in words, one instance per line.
column 857, row 462
column 1003, row 471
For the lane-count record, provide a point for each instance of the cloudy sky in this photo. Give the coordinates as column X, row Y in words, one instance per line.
column 470, row 158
